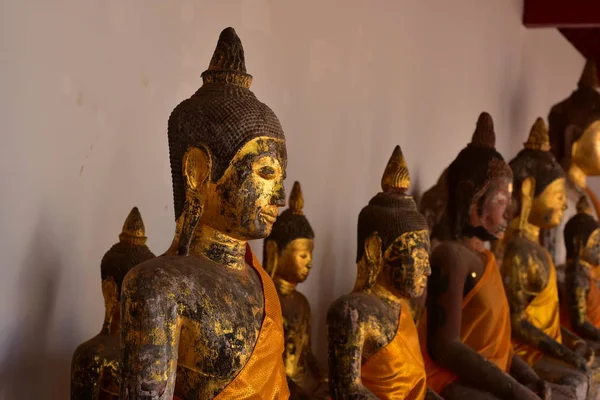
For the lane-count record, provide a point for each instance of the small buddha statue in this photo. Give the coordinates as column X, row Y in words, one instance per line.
column 581, row 300
column 288, row 260
column 205, row 323
column 465, row 331
column 94, row 368
column 574, row 129
column 373, row 343
column 529, row 275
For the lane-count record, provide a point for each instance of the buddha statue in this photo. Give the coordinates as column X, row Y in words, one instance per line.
column 580, row 302
column 465, row 331
column 529, row 275
column 373, row 343
column 206, row 322
column 94, row 368
column 288, row 260
column 574, row 130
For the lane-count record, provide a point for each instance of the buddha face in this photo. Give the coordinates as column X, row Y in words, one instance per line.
column 245, row 202
column 591, row 251
column 295, row 261
column 494, row 211
column 586, row 150
column 548, row 208
column 406, row 264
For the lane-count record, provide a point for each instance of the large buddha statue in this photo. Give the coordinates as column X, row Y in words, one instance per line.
column 94, row 368
column 373, row 343
column 574, row 129
column 580, row 310
column 288, row 256
column 529, row 275
column 206, row 323
column 465, row 331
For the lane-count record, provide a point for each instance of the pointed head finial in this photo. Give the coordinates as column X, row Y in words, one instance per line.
column 538, row 137
column 484, row 135
column 133, row 229
column 589, row 76
column 296, row 199
column 228, row 65
column 395, row 177
column 583, row 206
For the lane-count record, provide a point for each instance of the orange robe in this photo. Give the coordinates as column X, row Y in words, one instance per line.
column 396, row 371
column 592, row 307
column 485, row 327
column 263, row 377
column 543, row 313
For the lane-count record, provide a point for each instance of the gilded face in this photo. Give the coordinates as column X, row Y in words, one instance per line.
column 406, row 264
column 495, row 210
column 591, row 251
column 548, row 208
column 245, row 202
column 586, row 150
column 295, row 261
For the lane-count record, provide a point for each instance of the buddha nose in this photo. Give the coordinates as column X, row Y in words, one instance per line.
column 278, row 198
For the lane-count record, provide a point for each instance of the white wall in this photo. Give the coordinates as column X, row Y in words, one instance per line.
column 86, row 88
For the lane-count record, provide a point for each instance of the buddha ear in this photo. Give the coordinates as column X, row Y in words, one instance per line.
column 526, row 200
column 110, row 291
column 272, row 257
column 196, row 171
column 196, row 168
column 373, row 257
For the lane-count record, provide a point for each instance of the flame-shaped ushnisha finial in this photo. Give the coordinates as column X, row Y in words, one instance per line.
column 589, row 76
column 228, row 65
column 395, row 177
column 484, row 135
column 296, row 199
column 538, row 137
column 133, row 231
column 583, row 206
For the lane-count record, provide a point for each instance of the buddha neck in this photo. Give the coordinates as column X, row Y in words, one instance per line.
column 577, row 176
column 473, row 243
column 388, row 297
column 218, row 247
column 284, row 287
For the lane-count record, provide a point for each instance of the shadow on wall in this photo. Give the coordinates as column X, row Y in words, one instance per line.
column 31, row 369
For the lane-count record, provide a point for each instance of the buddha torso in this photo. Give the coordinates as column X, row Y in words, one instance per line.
column 96, row 364
column 528, row 261
column 216, row 337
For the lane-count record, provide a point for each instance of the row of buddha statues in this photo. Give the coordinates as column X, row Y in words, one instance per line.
column 489, row 288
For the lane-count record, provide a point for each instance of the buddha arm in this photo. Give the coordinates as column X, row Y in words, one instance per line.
column 149, row 337
column 578, row 285
column 444, row 316
column 431, row 395
column 346, row 337
column 522, row 329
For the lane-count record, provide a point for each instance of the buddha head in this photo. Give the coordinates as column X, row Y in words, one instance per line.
column 433, row 201
column 288, row 249
column 116, row 263
column 227, row 152
column 574, row 125
column 539, row 196
column 479, row 187
column 393, row 238
column 582, row 235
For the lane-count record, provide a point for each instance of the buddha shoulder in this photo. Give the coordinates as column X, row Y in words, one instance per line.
column 354, row 309
column 452, row 257
column 520, row 250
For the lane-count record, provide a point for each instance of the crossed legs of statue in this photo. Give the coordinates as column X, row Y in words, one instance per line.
column 567, row 383
column 456, row 391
